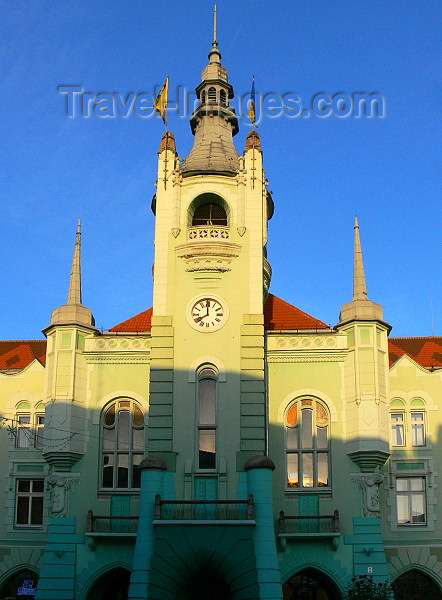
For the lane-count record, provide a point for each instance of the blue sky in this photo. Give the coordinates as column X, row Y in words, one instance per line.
column 322, row 171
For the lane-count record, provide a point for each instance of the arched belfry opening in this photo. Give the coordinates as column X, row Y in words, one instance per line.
column 310, row 584
column 209, row 210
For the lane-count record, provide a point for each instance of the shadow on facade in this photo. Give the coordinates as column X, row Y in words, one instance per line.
column 207, row 559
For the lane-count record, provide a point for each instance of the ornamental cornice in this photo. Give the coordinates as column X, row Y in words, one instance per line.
column 304, row 357
column 117, row 359
column 117, row 344
column 306, row 343
column 212, row 255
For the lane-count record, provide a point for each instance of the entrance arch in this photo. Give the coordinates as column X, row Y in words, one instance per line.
column 310, row 584
column 205, row 584
column 415, row 585
column 10, row 587
column 112, row 585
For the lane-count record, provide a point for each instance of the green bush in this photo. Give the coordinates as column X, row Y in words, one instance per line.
column 364, row 588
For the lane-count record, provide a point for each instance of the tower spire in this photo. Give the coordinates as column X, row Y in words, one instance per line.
column 359, row 285
column 73, row 312
column 360, row 308
column 74, row 291
column 214, row 41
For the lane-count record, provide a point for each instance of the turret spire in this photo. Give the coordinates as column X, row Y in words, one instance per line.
column 360, row 308
column 73, row 312
column 74, row 291
column 214, row 41
column 359, row 285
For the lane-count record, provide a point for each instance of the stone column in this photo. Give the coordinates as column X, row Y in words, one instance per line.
column 152, row 479
column 259, row 483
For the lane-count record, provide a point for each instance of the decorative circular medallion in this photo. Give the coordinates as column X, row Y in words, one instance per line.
column 207, row 314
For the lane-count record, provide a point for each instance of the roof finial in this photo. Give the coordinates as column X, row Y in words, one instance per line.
column 359, row 284
column 74, row 292
column 214, row 41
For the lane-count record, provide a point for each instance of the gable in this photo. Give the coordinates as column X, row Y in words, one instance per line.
column 426, row 351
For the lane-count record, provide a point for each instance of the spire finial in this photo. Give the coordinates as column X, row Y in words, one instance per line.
column 74, row 292
column 359, row 284
column 214, row 41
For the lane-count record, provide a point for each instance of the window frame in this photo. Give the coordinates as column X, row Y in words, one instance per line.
column 403, row 423
column 310, row 404
column 116, row 452
column 408, row 427
column 206, row 372
column 409, row 493
column 31, row 494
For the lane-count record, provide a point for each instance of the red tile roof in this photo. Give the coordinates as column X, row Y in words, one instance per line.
column 140, row 322
column 16, row 355
column 427, row 351
column 278, row 315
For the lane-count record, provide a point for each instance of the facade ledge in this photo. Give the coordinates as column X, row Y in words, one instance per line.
column 332, row 536
column 205, row 522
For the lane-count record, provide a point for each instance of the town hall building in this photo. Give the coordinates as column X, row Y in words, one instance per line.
column 222, row 444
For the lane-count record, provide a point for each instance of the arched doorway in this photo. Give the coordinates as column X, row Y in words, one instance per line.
column 112, row 585
column 24, row 578
column 205, row 584
column 310, row 584
column 415, row 585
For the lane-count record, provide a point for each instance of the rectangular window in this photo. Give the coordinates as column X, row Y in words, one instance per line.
column 29, row 503
column 411, row 501
column 23, row 431
column 417, row 429
column 397, row 429
column 206, row 448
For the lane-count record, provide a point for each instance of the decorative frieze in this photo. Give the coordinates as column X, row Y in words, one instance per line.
column 208, row 233
column 214, row 256
column 117, row 344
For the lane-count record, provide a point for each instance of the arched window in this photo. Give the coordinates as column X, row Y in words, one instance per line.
column 407, row 426
column 122, row 444
column 307, row 444
column 209, row 214
column 207, row 380
column 29, row 425
column 203, row 97
column 223, row 97
column 415, row 585
column 211, row 94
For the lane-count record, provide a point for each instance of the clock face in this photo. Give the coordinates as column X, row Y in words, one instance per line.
column 207, row 314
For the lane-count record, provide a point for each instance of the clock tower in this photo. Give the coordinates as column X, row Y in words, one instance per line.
column 207, row 404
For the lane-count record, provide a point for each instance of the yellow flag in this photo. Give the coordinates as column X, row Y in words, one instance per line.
column 161, row 101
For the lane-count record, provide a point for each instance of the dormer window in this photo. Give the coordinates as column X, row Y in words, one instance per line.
column 209, row 214
column 212, row 94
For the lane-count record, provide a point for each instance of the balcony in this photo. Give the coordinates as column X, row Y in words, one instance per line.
column 106, row 526
column 204, row 512
column 313, row 527
column 208, row 233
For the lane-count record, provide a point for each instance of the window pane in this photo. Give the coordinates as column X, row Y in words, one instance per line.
column 401, row 484
column 23, row 431
column 138, row 417
column 37, row 510
column 292, row 438
column 396, row 417
column 123, row 471
column 24, row 419
column 123, row 429
column 292, row 415
column 109, row 418
column 417, row 434
column 307, row 469
column 417, row 508
column 206, row 449
column 22, row 510
column 403, row 511
column 307, row 435
column 108, row 439
column 108, row 470
column 24, row 485
column 322, row 469
column 292, row 470
column 137, row 439
column 397, row 435
column 322, row 438
column 136, row 473
column 38, row 485
column 206, row 396
column 416, row 483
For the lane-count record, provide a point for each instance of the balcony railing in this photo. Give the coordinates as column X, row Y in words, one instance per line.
column 208, row 233
column 204, row 510
column 110, row 524
column 311, row 526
